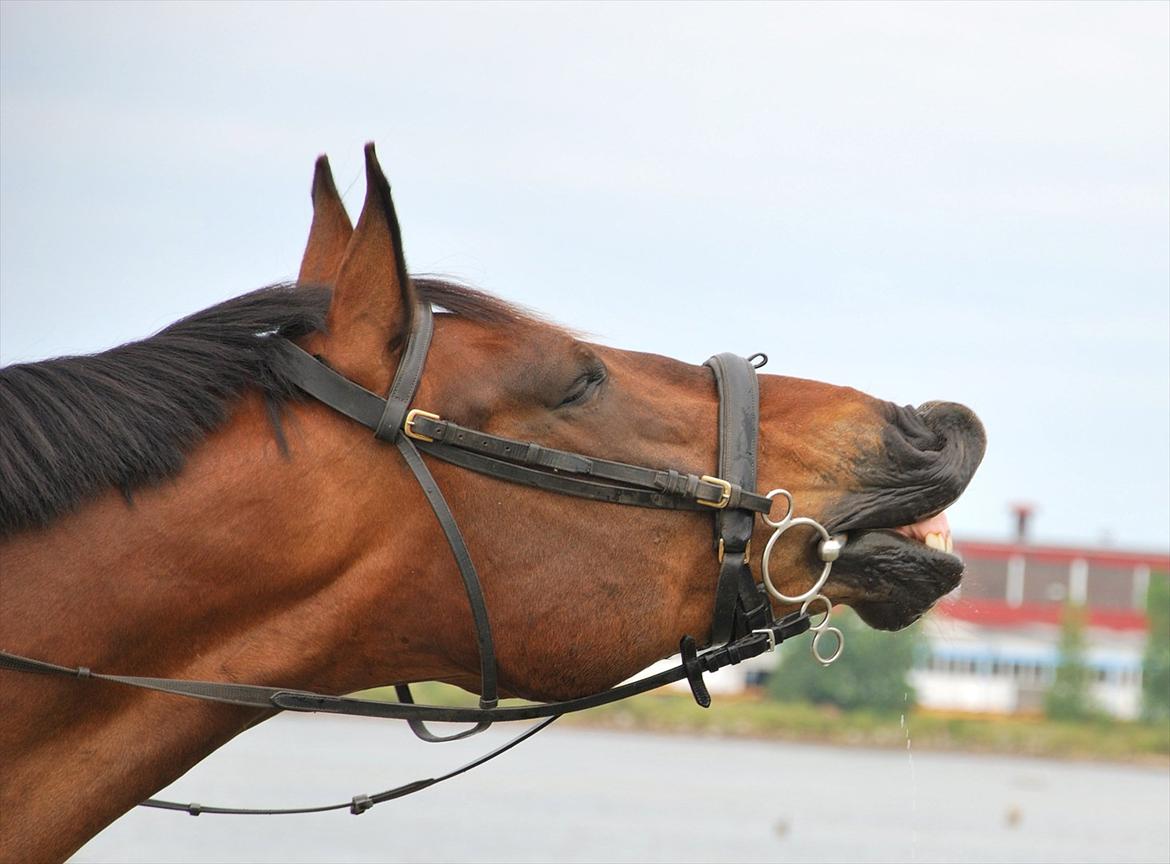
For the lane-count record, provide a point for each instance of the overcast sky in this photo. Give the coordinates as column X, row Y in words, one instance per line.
column 967, row 202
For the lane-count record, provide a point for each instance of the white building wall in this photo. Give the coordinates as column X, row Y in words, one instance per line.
column 976, row 693
column 979, row 669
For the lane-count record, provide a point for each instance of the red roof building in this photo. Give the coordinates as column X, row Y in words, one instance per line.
column 994, row 641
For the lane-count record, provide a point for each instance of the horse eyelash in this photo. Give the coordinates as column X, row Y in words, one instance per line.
column 585, row 386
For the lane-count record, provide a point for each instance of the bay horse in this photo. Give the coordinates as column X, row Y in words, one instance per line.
column 173, row 507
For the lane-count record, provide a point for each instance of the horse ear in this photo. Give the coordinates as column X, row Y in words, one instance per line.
column 330, row 232
column 373, row 301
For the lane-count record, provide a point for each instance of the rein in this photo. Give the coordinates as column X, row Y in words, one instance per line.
column 743, row 626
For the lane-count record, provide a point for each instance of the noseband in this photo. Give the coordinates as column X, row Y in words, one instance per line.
column 742, row 625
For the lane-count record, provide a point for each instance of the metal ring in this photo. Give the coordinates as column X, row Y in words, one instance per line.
column 762, row 357
column 815, row 589
column 787, row 513
column 825, row 661
column 820, row 625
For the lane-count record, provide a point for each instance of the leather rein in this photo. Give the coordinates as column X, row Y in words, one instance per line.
column 743, row 625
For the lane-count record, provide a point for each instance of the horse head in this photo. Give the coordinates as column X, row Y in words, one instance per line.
column 581, row 593
column 171, row 507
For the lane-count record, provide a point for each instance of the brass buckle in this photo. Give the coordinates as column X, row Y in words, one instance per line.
column 747, row 552
column 724, row 496
column 408, row 423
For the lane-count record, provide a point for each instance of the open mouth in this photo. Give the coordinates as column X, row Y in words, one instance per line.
column 933, row 532
column 929, row 535
column 897, row 561
column 897, row 574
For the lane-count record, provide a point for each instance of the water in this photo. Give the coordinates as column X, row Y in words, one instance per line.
column 582, row 795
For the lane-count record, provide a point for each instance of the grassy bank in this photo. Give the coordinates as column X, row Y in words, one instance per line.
column 1109, row 740
column 761, row 718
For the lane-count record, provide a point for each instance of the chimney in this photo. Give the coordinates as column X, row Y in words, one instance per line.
column 1023, row 515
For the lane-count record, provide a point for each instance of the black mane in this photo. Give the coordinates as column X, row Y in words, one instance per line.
column 73, row 427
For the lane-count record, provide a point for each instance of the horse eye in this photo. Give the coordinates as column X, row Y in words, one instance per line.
column 584, row 387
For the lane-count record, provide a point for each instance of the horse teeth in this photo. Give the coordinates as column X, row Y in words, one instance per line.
column 935, row 540
column 950, row 545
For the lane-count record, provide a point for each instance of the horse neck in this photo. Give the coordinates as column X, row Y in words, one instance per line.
column 215, row 575
column 321, row 570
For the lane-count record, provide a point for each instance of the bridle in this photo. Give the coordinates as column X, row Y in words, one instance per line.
column 742, row 627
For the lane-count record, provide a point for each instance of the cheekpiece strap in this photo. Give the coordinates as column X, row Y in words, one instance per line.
column 410, row 366
column 739, row 605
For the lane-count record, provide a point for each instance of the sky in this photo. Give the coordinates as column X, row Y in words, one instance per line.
column 924, row 201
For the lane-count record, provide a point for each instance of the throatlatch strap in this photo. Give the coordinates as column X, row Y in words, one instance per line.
column 483, row 628
column 389, row 428
column 385, row 417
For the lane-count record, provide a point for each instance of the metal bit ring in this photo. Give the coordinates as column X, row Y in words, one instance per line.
column 825, row 661
column 820, row 625
column 781, row 526
column 821, row 628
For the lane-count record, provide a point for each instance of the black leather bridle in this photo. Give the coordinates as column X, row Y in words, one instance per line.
column 742, row 627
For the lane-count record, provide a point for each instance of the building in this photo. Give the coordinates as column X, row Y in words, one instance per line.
column 993, row 643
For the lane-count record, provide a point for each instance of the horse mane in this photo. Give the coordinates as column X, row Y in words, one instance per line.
column 72, row 427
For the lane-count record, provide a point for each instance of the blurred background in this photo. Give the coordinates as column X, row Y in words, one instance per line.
column 968, row 202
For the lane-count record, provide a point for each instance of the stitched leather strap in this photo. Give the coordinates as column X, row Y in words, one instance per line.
column 410, row 367
column 739, row 605
column 618, row 482
column 358, row 403
column 419, row 728
column 479, row 614
column 259, row 696
column 329, row 387
column 358, row 804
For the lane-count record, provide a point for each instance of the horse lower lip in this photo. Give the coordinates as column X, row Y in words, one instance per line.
column 897, row 577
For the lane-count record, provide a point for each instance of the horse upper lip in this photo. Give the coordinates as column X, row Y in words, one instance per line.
column 927, row 457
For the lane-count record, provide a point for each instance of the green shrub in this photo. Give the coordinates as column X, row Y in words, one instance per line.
column 872, row 673
column 1068, row 697
column 1156, row 663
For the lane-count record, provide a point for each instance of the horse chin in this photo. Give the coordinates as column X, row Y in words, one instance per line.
column 891, row 580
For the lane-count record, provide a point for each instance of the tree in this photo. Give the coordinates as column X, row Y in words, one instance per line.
column 871, row 673
column 1156, row 663
column 1068, row 697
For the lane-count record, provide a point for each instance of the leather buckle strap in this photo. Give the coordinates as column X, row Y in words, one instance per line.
column 408, row 424
column 724, row 492
column 739, row 413
column 408, row 375
column 723, row 550
column 562, row 471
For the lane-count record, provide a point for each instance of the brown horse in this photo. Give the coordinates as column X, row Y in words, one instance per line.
column 170, row 508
